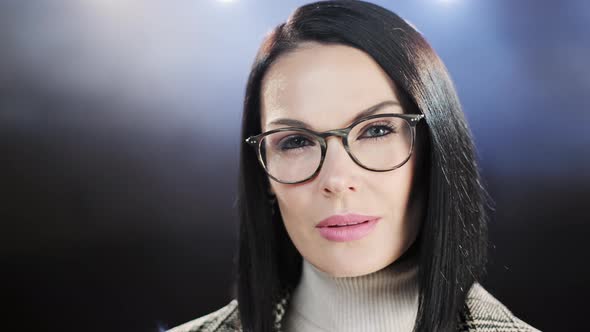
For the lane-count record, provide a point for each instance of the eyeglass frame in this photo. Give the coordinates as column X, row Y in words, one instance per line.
column 411, row 119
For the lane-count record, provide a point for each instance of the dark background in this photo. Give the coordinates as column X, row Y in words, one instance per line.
column 119, row 138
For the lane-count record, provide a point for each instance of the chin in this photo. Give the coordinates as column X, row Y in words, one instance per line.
column 351, row 270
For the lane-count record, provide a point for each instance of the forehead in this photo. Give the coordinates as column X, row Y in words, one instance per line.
column 324, row 86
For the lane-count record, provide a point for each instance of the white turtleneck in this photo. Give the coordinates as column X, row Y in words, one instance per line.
column 385, row 300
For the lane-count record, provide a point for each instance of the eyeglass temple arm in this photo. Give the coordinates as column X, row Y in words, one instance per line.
column 415, row 118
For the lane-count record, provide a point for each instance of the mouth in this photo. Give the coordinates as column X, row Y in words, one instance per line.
column 346, row 225
column 348, row 231
column 345, row 220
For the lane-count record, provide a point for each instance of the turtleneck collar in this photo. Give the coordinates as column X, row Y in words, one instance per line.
column 385, row 300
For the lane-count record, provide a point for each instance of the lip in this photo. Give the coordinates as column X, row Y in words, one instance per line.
column 346, row 227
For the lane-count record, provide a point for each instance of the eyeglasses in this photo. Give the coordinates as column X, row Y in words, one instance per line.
column 380, row 143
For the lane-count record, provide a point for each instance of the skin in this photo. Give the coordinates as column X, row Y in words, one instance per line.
column 326, row 86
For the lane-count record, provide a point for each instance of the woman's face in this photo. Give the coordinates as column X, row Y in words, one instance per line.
column 326, row 86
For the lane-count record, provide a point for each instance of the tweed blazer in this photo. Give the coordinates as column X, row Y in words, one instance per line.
column 483, row 313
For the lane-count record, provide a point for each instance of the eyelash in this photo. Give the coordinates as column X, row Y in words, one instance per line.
column 389, row 127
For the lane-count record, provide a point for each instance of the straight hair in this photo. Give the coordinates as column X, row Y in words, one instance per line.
column 452, row 242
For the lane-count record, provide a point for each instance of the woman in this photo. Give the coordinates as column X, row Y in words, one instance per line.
column 360, row 200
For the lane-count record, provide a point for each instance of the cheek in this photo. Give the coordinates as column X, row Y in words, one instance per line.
column 294, row 202
column 395, row 186
column 297, row 213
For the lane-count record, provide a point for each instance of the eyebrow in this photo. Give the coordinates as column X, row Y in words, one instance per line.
column 371, row 110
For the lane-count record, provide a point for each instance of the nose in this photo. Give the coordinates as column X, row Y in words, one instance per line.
column 338, row 173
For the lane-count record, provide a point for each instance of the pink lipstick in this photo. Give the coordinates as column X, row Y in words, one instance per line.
column 346, row 227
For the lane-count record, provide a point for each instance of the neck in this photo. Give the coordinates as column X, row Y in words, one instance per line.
column 385, row 300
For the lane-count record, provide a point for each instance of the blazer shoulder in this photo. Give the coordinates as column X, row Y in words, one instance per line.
column 486, row 313
column 225, row 319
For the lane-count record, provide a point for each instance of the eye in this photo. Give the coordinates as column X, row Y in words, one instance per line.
column 376, row 131
column 295, row 142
